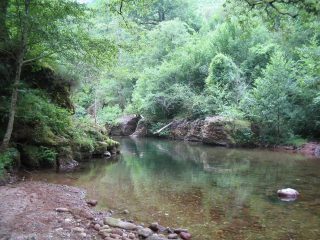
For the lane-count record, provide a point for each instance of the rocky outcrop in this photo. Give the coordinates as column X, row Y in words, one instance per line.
column 126, row 126
column 214, row 130
column 141, row 129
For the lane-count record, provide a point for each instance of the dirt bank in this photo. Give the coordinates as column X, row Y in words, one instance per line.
column 37, row 210
column 28, row 211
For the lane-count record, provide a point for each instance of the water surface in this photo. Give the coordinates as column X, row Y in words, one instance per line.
column 216, row 193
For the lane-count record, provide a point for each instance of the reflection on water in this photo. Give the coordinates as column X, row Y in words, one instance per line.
column 217, row 193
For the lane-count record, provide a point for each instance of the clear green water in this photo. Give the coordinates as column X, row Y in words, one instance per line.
column 216, row 193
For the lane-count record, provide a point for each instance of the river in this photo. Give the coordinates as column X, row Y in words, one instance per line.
column 217, row 193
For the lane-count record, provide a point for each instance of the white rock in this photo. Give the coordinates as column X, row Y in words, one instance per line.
column 288, row 194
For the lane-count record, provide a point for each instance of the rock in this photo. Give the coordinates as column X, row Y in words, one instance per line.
column 185, row 235
column 173, row 236
column 145, row 232
column 180, row 230
column 126, row 211
column 141, row 129
column 83, row 234
column 97, row 227
column 288, row 194
column 125, row 127
column 65, row 161
column 113, row 222
column 117, row 231
column 215, row 130
column 92, row 202
column 310, row 149
column 68, row 220
column 131, row 235
column 107, row 154
column 62, row 210
column 156, row 237
column 154, row 226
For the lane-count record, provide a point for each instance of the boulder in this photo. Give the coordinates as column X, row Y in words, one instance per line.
column 125, row 127
column 214, row 130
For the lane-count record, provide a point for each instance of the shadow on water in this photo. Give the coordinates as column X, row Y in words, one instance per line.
column 217, row 193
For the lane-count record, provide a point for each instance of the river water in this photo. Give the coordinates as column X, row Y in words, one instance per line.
column 217, row 193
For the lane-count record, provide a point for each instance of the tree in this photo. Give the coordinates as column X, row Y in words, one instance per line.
column 46, row 29
column 272, row 103
column 286, row 7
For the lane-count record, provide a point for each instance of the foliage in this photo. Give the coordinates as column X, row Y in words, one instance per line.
column 7, row 158
column 232, row 62
column 273, row 103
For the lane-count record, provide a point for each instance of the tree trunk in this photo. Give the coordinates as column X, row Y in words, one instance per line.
column 19, row 63
column 13, row 105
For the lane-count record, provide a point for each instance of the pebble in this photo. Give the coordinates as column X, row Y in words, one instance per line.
column 185, row 235
column 145, row 232
column 131, row 235
column 173, row 236
column 62, row 210
column 112, row 235
column 117, row 231
column 83, row 234
column 179, row 230
column 97, row 227
column 92, row 202
column 78, row 229
column 154, row 226
column 126, row 211
column 68, row 220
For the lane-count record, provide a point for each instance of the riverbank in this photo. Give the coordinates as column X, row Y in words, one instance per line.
column 38, row 210
column 214, row 131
